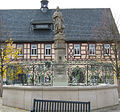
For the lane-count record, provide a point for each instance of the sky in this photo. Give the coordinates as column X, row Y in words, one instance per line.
column 35, row 4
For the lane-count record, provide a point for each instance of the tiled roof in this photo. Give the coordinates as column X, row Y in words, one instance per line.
column 79, row 24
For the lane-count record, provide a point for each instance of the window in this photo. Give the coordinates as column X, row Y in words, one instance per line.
column 119, row 54
column 91, row 49
column 47, row 50
column 42, row 26
column 34, row 50
column 76, row 49
column 2, row 46
column 106, row 49
column 20, row 47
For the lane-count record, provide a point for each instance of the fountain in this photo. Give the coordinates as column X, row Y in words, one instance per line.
column 22, row 96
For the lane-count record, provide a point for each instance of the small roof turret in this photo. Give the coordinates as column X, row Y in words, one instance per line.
column 44, row 5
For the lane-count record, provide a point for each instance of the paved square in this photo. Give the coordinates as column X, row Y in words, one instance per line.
column 9, row 109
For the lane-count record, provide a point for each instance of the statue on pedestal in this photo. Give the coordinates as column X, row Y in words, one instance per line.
column 58, row 22
column 60, row 77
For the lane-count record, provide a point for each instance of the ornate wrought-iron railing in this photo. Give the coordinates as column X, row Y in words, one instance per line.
column 90, row 74
column 78, row 73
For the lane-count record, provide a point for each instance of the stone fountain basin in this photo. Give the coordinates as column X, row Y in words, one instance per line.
column 22, row 96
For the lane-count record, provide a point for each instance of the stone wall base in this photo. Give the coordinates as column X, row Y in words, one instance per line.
column 119, row 87
column 22, row 97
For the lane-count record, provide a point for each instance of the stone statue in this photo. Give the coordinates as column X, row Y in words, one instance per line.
column 58, row 21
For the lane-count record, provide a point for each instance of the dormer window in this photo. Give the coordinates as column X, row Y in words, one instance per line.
column 41, row 25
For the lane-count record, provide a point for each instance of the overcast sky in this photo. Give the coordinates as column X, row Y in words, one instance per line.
column 35, row 4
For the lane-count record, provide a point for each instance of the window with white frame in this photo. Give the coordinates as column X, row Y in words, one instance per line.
column 20, row 48
column 119, row 54
column 47, row 50
column 33, row 50
column 76, row 49
column 2, row 46
column 91, row 49
column 106, row 49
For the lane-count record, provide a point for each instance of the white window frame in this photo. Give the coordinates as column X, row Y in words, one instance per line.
column 2, row 46
column 77, row 48
column 119, row 54
column 34, row 47
column 92, row 48
column 48, row 46
column 20, row 48
column 106, row 47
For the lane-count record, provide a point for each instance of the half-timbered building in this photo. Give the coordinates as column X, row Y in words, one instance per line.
column 32, row 31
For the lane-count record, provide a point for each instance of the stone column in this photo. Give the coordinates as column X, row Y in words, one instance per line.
column 60, row 77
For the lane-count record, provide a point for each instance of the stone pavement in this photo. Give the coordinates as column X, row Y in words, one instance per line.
column 108, row 109
column 9, row 109
column 115, row 108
